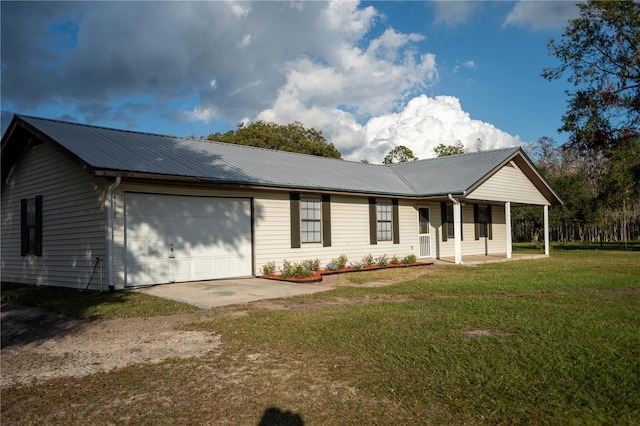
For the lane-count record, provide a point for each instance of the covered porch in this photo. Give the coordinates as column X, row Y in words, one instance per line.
column 478, row 259
column 508, row 254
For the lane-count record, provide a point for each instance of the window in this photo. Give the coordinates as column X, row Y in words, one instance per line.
column 483, row 221
column 310, row 219
column 310, row 215
column 450, row 230
column 31, row 226
column 483, row 216
column 383, row 213
column 383, row 221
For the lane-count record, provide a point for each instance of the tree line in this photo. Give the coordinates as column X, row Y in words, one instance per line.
column 597, row 171
column 600, row 196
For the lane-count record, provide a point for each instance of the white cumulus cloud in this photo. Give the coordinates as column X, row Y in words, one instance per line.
column 425, row 123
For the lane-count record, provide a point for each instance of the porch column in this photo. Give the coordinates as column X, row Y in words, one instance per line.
column 507, row 216
column 457, row 232
column 546, row 229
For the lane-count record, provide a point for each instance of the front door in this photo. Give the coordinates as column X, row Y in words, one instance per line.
column 424, row 238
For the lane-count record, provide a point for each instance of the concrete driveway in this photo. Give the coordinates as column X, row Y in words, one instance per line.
column 207, row 294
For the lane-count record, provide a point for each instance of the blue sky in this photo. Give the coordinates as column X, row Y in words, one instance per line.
column 370, row 75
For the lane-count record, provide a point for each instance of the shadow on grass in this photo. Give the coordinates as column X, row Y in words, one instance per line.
column 22, row 325
column 74, row 303
column 609, row 246
column 612, row 246
column 274, row 416
column 31, row 313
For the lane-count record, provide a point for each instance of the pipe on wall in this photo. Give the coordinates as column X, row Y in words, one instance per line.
column 109, row 209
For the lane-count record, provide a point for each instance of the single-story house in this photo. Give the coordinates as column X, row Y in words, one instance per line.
column 91, row 207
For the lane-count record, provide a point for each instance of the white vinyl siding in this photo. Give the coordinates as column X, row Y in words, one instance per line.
column 349, row 230
column 73, row 221
column 509, row 184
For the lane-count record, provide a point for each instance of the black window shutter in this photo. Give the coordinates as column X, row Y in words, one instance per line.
column 395, row 222
column 24, row 237
column 476, row 220
column 39, row 225
column 489, row 223
column 443, row 220
column 295, row 219
column 373, row 222
column 461, row 222
column 326, row 220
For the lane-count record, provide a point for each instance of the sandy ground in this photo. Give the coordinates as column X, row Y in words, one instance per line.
column 38, row 345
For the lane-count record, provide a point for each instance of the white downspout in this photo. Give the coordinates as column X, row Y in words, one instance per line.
column 109, row 208
column 507, row 215
column 457, row 235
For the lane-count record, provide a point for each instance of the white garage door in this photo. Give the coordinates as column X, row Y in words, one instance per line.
column 170, row 238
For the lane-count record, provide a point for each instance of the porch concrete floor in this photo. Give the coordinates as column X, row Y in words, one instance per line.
column 491, row 258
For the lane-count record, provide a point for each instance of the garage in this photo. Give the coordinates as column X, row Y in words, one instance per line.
column 174, row 238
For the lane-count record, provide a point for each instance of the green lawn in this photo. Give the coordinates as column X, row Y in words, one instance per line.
column 548, row 341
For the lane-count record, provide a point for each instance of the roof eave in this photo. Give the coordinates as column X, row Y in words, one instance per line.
column 35, row 132
column 141, row 176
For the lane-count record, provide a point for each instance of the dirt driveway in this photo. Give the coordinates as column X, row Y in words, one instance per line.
column 38, row 345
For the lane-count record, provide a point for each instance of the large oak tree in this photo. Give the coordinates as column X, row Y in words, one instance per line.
column 293, row 137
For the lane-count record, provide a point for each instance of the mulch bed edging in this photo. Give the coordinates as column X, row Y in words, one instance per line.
column 317, row 276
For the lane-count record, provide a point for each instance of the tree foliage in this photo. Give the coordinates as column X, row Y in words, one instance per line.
column 443, row 150
column 597, row 172
column 600, row 203
column 399, row 154
column 293, row 137
column 601, row 52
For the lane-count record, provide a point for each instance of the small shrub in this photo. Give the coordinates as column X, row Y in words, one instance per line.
column 269, row 268
column 341, row 261
column 312, row 265
column 395, row 260
column 338, row 263
column 287, row 269
column 331, row 266
column 299, row 271
column 409, row 259
column 367, row 260
column 356, row 265
column 382, row 260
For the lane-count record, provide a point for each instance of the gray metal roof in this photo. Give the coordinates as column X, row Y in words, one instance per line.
column 452, row 174
column 112, row 150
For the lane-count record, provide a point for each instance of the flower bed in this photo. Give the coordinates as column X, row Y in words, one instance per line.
column 316, row 276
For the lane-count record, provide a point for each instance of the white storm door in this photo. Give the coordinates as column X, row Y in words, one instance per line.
column 424, row 233
column 170, row 238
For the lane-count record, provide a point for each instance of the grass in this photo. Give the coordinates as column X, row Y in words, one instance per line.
column 549, row 341
column 90, row 305
column 538, row 247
